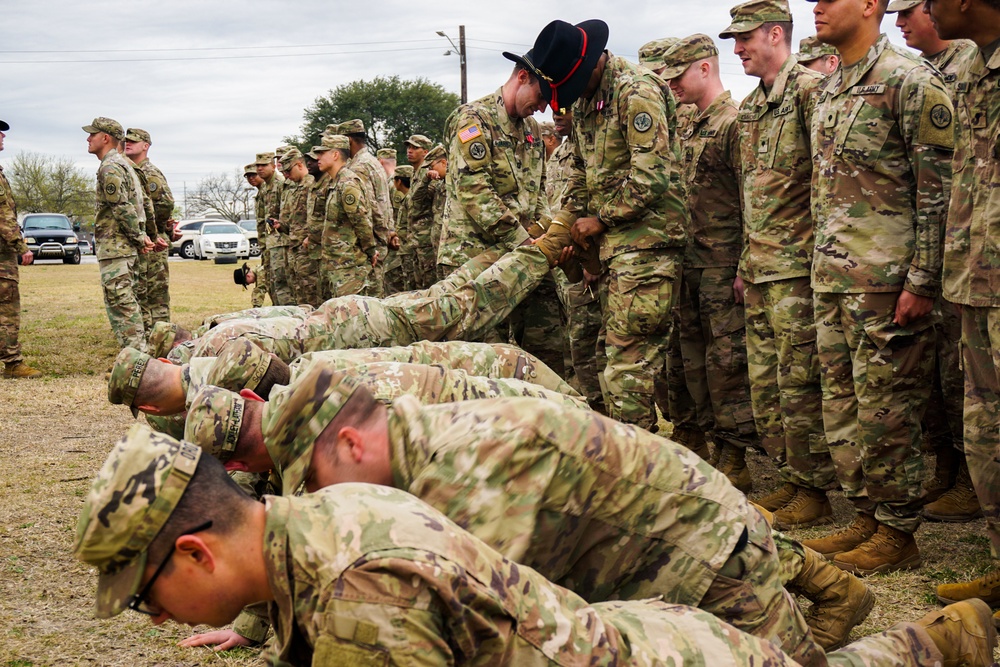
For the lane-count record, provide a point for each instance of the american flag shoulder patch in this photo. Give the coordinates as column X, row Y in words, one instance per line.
column 469, row 133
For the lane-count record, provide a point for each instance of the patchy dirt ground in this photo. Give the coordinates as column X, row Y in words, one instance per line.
column 56, row 431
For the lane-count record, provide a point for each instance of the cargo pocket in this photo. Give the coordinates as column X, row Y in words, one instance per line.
column 641, row 297
column 803, row 361
column 330, row 650
column 887, row 363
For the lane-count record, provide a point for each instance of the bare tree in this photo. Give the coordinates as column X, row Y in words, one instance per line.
column 226, row 194
column 45, row 183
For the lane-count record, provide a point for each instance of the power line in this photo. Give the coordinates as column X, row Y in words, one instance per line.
column 197, row 58
column 225, row 48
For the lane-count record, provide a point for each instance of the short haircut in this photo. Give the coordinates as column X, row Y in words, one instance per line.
column 786, row 28
column 344, row 153
column 210, row 496
column 183, row 335
column 359, row 137
column 277, row 373
column 358, row 411
column 406, row 181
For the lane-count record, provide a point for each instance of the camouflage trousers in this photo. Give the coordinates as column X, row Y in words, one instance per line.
column 261, row 287
column 876, row 378
column 278, row 283
column 424, row 261
column 158, row 287
column 395, row 280
column 120, row 303
column 536, row 325
column 981, row 361
column 670, row 390
column 10, row 309
column 140, row 273
column 376, row 282
column 306, row 282
column 942, row 423
column 341, row 280
column 586, row 348
column 713, row 345
column 784, row 380
column 641, row 290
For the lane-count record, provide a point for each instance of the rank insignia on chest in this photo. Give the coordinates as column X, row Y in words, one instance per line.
column 469, row 133
column 688, row 154
column 530, row 138
column 831, row 118
column 762, row 147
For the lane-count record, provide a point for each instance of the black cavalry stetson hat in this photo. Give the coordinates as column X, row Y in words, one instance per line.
column 565, row 56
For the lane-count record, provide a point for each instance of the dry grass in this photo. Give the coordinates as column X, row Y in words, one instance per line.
column 55, row 433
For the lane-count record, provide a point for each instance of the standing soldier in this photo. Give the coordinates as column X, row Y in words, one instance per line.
column 393, row 264
column 817, row 56
column 137, row 143
column 147, row 219
column 626, row 196
column 776, row 155
column 883, row 139
column 387, row 158
column 949, row 491
column 118, row 232
column 398, row 278
column 12, row 246
column 972, row 262
column 425, row 185
column 712, row 321
column 298, row 181
column 260, row 275
column 416, row 149
column 274, row 252
column 371, row 172
column 348, row 242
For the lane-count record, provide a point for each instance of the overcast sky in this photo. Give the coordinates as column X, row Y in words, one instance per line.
column 215, row 81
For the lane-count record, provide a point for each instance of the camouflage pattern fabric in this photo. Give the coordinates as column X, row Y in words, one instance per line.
column 158, row 285
column 439, row 199
column 395, row 279
column 971, row 275
column 295, row 210
column 11, row 245
column 586, row 349
column 348, row 241
column 420, row 224
column 785, row 380
column 260, row 288
column 147, row 218
column 212, row 321
column 407, row 250
column 884, row 138
column 367, row 167
column 558, row 169
column 275, row 259
column 537, row 325
column 959, row 54
column 495, row 180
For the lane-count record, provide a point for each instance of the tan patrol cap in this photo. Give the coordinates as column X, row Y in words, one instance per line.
column 129, row 502
column 135, row 134
column 329, row 142
column 752, row 15
column 264, row 158
column 296, row 416
column 126, row 376
column 289, row 157
column 810, row 49
column 403, row 171
column 250, row 169
column 435, row 153
column 239, row 365
column 214, row 420
column 106, row 125
column 161, row 338
column 547, row 128
column 353, row 126
column 902, row 5
column 651, row 53
column 419, row 141
column 685, row 51
column 386, row 153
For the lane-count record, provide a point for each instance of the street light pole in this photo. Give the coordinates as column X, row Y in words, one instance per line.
column 460, row 52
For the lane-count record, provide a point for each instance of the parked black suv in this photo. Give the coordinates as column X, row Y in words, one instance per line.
column 51, row 236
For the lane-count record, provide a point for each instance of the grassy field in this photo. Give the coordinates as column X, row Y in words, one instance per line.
column 56, row 431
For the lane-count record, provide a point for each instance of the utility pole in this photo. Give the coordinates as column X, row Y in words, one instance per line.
column 462, row 59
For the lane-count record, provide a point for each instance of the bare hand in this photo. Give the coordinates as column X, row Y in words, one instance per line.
column 911, row 307
column 584, row 228
column 739, row 291
column 147, row 245
column 27, row 258
column 433, row 175
column 394, row 241
column 590, row 278
column 305, row 243
column 375, row 258
column 219, row 640
column 160, row 244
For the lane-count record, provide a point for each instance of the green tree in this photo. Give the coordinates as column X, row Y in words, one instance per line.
column 392, row 109
column 49, row 184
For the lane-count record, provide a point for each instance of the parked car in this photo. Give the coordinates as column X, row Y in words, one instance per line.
column 51, row 236
column 249, row 228
column 85, row 247
column 188, row 229
column 221, row 241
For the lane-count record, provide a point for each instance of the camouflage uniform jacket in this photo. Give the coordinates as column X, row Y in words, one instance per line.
column 403, row 225
column 143, row 202
column 712, row 171
column 367, row 167
column 776, row 155
column 397, row 198
column 367, row 575
column 118, row 229
column 348, row 240
column 11, row 242
column 293, row 210
column 421, row 213
column 316, row 214
column 627, row 168
column 558, row 169
column 883, row 138
column 495, row 180
column 593, row 504
column 159, row 192
column 269, row 206
column 952, row 59
column 971, row 255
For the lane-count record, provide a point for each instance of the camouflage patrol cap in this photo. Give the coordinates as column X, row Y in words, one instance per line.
column 135, row 134
column 250, row 169
column 106, row 125
column 296, row 415
column 419, row 141
column 435, row 153
column 547, row 128
column 651, row 53
column 403, row 171
column 329, row 142
column 126, row 376
column 811, row 49
column 685, row 51
column 289, row 157
column 214, row 421
column 129, row 502
column 264, row 158
column 353, row 126
column 280, row 151
column 239, row 365
column 901, row 6
column 386, row 154
column 752, row 15
column 161, row 339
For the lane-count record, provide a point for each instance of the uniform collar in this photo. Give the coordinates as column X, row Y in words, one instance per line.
column 605, row 91
column 279, row 573
column 777, row 93
column 713, row 108
column 852, row 74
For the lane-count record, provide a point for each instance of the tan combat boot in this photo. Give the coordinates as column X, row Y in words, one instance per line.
column 860, row 530
column 693, row 440
column 986, row 588
column 840, row 600
column 963, row 632
column 809, row 507
column 733, row 464
column 888, row 550
column 19, row 369
column 959, row 504
column 946, row 468
column 775, row 501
